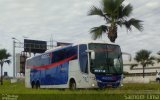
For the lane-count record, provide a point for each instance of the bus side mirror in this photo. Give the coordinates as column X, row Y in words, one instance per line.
column 116, row 62
column 92, row 53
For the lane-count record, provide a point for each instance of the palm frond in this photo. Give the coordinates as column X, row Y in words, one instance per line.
column 158, row 53
column 97, row 32
column 111, row 7
column 120, row 23
column 108, row 6
column 95, row 11
column 7, row 61
column 152, row 58
column 133, row 22
column 127, row 10
column 144, row 58
column 134, row 65
column 142, row 55
column 158, row 60
column 118, row 3
column 4, row 56
column 149, row 62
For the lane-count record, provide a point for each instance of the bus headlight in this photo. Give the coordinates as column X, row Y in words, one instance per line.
column 93, row 85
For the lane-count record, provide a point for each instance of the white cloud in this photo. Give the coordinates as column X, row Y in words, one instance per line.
column 154, row 4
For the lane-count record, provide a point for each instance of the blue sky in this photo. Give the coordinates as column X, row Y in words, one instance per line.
column 67, row 21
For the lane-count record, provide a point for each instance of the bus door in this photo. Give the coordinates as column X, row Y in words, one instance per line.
column 83, row 62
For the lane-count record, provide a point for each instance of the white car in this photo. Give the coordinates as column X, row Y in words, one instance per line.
column 158, row 77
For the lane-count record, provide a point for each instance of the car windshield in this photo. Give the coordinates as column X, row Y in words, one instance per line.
column 108, row 59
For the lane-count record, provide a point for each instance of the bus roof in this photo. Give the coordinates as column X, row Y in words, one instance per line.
column 87, row 42
column 63, row 47
column 57, row 48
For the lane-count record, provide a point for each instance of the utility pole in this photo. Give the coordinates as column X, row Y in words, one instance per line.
column 13, row 57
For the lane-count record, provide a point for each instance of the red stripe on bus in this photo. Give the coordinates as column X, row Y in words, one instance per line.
column 53, row 64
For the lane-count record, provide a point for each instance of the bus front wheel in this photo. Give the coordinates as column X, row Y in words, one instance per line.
column 72, row 84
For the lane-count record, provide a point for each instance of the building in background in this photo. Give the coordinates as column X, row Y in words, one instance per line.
column 20, row 63
column 5, row 74
column 134, row 68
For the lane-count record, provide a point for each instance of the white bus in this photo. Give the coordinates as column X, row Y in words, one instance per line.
column 87, row 65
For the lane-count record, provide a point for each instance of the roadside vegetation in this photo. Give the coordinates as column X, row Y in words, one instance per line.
column 144, row 58
column 131, row 88
column 4, row 58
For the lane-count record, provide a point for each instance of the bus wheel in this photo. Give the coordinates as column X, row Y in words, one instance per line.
column 72, row 85
column 37, row 85
column 33, row 84
column 158, row 80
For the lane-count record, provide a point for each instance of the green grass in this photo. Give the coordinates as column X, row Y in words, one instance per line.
column 19, row 88
column 66, row 94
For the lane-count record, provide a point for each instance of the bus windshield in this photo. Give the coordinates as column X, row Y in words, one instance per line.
column 108, row 59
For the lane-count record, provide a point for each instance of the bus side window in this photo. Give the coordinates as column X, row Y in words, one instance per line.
column 45, row 60
column 58, row 56
column 83, row 58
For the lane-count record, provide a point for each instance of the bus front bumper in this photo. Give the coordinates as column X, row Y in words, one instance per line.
column 106, row 84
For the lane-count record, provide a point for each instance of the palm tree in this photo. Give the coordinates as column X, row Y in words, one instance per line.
column 3, row 59
column 158, row 59
column 115, row 14
column 144, row 58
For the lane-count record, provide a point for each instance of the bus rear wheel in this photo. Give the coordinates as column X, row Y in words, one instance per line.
column 33, row 84
column 72, row 85
column 37, row 85
column 158, row 80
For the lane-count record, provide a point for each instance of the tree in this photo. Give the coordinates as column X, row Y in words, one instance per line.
column 143, row 57
column 158, row 59
column 115, row 13
column 3, row 59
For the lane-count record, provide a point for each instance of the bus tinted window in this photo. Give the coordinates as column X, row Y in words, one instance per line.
column 83, row 58
column 58, row 55
column 64, row 54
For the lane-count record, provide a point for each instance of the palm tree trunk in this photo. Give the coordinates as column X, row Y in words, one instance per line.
column 1, row 75
column 143, row 71
column 112, row 33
